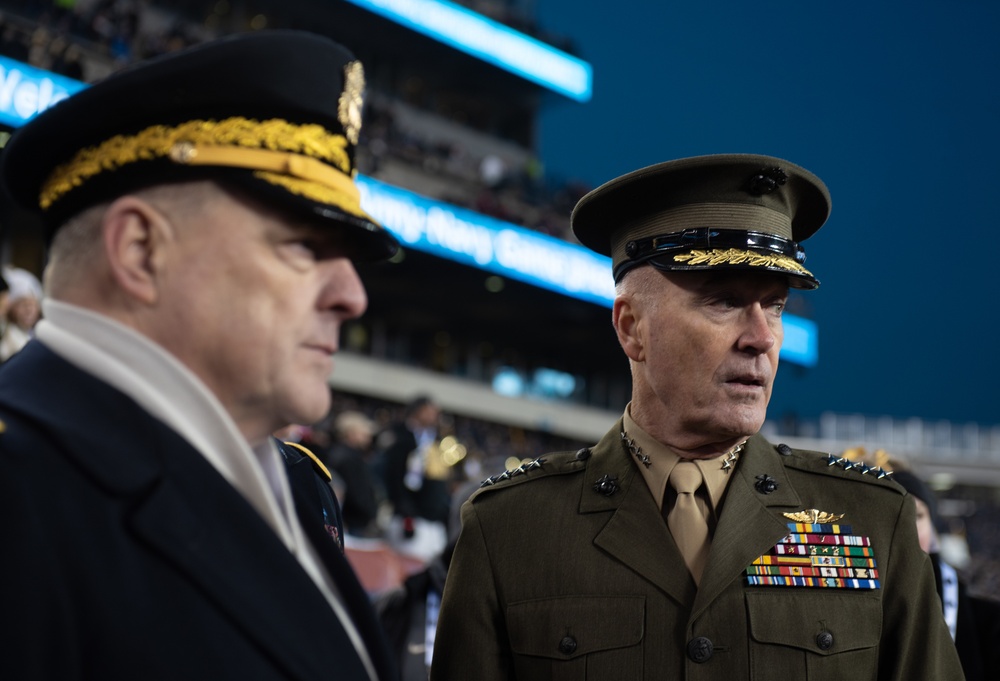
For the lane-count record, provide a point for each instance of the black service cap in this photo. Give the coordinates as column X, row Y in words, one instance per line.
column 274, row 113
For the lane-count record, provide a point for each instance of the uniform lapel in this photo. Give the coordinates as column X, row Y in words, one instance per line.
column 182, row 509
column 636, row 533
column 309, row 508
column 749, row 525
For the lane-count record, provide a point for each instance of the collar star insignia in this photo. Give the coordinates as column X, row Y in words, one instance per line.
column 636, row 450
column 732, row 456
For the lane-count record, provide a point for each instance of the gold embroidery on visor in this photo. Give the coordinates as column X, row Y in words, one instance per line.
column 158, row 141
column 735, row 256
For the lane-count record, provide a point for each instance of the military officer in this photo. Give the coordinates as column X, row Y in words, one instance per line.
column 684, row 545
column 203, row 224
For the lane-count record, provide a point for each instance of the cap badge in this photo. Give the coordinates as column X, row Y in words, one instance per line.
column 767, row 181
column 351, row 100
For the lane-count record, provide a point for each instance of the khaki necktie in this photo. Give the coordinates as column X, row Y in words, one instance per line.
column 686, row 521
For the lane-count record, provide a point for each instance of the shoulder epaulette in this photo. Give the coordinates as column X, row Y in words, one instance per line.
column 822, row 462
column 513, row 472
column 858, row 467
column 549, row 464
column 317, row 464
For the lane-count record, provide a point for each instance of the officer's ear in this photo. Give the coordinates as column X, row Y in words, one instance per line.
column 136, row 236
column 626, row 316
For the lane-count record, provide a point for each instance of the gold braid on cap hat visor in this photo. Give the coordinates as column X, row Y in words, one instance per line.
column 707, row 247
column 735, row 256
column 306, row 159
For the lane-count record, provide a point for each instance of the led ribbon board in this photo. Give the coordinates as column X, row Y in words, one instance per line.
column 25, row 91
column 490, row 41
column 466, row 237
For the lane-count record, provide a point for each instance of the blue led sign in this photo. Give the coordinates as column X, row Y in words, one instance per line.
column 493, row 245
column 25, row 91
column 490, row 41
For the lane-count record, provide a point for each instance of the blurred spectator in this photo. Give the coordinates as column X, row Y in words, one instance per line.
column 13, row 43
column 974, row 622
column 409, row 613
column 4, row 303
column 67, row 62
column 348, row 458
column 417, row 489
column 22, row 313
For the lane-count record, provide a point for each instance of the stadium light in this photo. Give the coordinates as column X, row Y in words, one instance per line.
column 490, row 41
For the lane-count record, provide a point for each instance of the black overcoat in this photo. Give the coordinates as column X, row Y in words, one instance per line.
column 126, row 555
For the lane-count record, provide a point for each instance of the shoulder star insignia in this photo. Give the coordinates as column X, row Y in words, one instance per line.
column 813, row 516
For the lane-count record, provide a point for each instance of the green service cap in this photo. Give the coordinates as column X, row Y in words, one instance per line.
column 724, row 211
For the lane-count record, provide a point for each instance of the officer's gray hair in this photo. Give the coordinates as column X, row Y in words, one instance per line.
column 78, row 245
column 75, row 245
column 637, row 281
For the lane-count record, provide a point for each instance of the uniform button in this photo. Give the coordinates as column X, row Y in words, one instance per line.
column 700, row 649
column 567, row 646
column 824, row 640
column 784, row 450
column 583, row 454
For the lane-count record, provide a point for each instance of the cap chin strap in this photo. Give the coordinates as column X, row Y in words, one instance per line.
column 299, row 174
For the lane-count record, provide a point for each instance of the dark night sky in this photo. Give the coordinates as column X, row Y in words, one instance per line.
column 896, row 107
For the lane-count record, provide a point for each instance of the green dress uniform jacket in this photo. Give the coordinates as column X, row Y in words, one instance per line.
column 565, row 570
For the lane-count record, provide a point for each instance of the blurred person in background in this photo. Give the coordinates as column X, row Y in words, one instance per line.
column 202, row 225
column 418, row 492
column 684, row 545
column 409, row 613
column 4, row 304
column 22, row 312
column 349, row 458
column 973, row 622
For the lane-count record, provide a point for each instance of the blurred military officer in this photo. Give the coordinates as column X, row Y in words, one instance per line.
column 203, row 221
column 684, row 545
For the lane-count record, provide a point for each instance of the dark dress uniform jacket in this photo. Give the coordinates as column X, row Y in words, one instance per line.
column 559, row 577
column 126, row 555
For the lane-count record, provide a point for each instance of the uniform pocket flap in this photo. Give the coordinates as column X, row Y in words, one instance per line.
column 822, row 623
column 571, row 626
